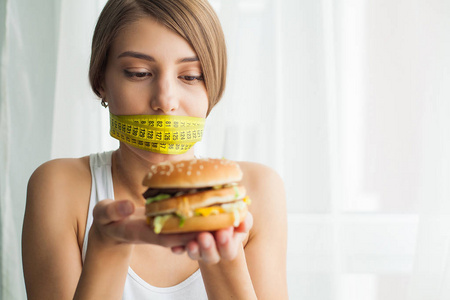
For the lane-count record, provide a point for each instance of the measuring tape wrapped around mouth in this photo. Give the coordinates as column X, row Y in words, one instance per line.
column 158, row 133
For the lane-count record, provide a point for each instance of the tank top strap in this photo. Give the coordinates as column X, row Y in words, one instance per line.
column 101, row 187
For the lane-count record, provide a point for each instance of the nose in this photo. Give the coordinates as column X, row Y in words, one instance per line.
column 164, row 97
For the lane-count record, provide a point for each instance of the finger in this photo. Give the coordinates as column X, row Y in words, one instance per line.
column 170, row 240
column 193, row 251
column 124, row 222
column 226, row 244
column 136, row 229
column 245, row 225
column 108, row 211
column 208, row 250
column 178, row 250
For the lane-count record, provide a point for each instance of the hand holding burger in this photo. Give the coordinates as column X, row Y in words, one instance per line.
column 195, row 195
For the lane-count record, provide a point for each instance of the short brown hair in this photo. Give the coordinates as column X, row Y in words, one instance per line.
column 194, row 20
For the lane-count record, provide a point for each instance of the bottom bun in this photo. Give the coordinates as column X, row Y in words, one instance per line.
column 200, row 223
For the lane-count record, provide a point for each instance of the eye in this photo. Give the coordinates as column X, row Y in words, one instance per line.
column 191, row 79
column 137, row 74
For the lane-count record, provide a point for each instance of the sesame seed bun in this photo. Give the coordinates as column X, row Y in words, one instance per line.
column 193, row 173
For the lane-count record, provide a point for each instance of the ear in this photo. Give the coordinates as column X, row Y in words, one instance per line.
column 101, row 91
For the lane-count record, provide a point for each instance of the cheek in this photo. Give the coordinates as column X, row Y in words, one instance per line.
column 113, row 88
column 123, row 96
column 198, row 105
column 205, row 105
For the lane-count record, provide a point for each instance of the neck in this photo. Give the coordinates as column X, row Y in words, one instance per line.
column 130, row 165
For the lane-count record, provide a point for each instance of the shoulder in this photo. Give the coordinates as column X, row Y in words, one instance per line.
column 259, row 177
column 58, row 191
column 59, row 171
column 265, row 188
column 57, row 182
column 264, row 185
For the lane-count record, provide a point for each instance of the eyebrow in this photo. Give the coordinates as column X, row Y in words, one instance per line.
column 188, row 59
column 152, row 59
column 136, row 55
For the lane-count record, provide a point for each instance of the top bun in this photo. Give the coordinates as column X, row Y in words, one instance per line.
column 194, row 173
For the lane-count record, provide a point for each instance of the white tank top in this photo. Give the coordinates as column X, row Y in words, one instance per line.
column 135, row 287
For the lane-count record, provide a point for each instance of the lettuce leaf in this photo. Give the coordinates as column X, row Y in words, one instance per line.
column 182, row 220
column 157, row 198
column 158, row 223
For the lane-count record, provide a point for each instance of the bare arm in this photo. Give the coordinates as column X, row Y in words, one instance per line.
column 267, row 245
column 231, row 270
column 51, row 246
column 50, row 250
column 57, row 201
column 229, row 278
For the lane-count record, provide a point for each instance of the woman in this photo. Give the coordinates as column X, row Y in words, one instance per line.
column 149, row 57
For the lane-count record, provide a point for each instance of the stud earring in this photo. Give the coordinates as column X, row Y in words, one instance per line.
column 104, row 103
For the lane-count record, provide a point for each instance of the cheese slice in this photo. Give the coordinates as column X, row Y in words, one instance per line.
column 207, row 211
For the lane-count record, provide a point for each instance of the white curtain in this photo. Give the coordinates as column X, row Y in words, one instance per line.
column 347, row 99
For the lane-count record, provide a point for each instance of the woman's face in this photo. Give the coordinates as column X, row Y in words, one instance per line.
column 151, row 70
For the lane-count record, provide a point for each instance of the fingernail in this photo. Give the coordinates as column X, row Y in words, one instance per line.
column 125, row 208
column 223, row 239
column 194, row 251
column 207, row 243
column 178, row 249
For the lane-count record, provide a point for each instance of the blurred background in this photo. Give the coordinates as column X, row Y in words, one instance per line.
column 349, row 100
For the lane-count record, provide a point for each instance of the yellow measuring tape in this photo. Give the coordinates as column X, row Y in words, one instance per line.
column 161, row 134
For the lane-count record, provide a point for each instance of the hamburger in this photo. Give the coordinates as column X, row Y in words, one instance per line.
column 195, row 195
